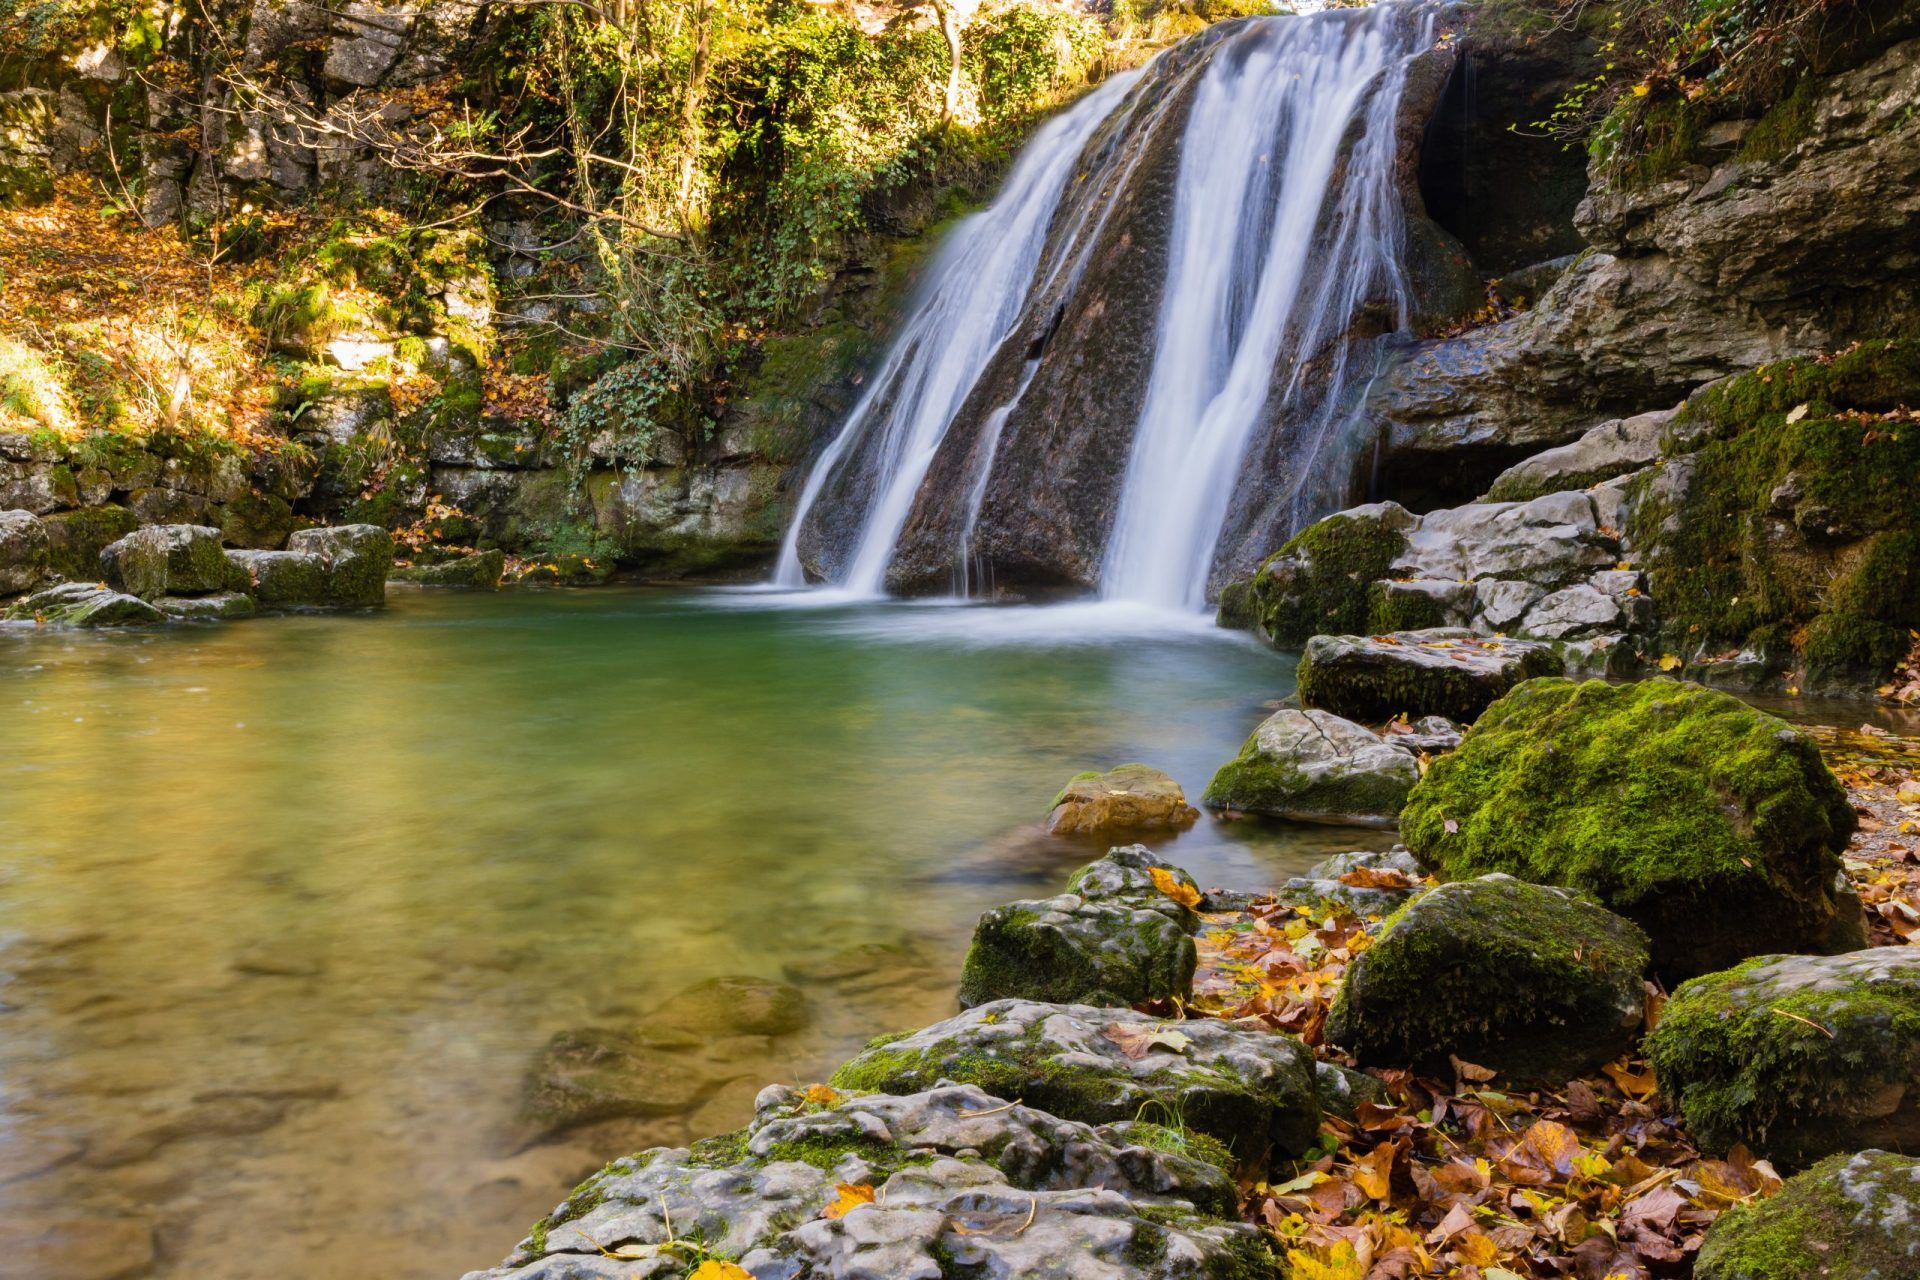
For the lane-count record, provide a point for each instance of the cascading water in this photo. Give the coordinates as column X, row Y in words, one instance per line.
column 1272, row 255
column 974, row 293
column 1247, row 191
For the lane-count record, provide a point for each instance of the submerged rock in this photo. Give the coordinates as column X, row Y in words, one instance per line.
column 1312, row 766
column 959, row 1180
column 1797, row 1056
column 732, row 1006
column 167, row 559
column 1450, row 673
column 1114, row 938
column 84, row 604
column 1713, row 826
column 1849, row 1217
column 1250, row 1089
column 219, row 606
column 592, row 1074
column 1523, row 979
column 1132, row 797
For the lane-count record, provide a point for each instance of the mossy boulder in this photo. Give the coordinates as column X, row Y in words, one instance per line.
column 1318, row 582
column 218, row 606
column 282, row 579
column 1714, row 827
column 1798, row 1057
column 167, row 559
column 1114, row 938
column 964, row 1183
column 84, row 604
column 481, row 569
column 1131, row 797
column 1437, row 672
column 1527, row 980
column 75, row 539
column 1250, row 1089
column 1311, row 766
column 1849, row 1217
column 1791, row 528
column 357, row 559
column 23, row 552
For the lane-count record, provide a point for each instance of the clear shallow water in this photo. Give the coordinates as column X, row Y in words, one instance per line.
column 287, row 907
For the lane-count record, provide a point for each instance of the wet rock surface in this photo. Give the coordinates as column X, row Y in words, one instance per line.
column 1313, row 766
column 1445, row 672
column 1132, row 797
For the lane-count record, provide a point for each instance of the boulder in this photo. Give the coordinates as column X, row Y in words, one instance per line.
column 1526, row 980
column 1611, row 449
column 84, row 604
column 75, row 539
column 1250, row 1089
column 949, row 1181
column 1714, row 827
column 732, row 1006
column 1849, row 1217
column 1132, row 797
column 167, row 560
column 1798, row 1057
column 1363, row 883
column 1114, row 938
column 481, row 569
column 357, row 557
column 1311, row 766
column 1443, row 672
column 591, row 1074
column 219, row 607
column 23, row 552
column 1318, row 581
column 283, row 579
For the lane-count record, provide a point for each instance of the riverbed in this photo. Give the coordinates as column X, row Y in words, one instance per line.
column 288, row 907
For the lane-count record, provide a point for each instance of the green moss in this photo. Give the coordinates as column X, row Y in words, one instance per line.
column 1841, row 1218
column 1693, row 814
column 1785, row 1071
column 1795, row 539
column 1255, row 782
column 1783, row 127
column 1319, row 582
column 1389, row 609
column 1644, row 140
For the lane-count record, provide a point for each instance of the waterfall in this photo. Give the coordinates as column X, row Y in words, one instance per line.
column 1249, row 183
column 1272, row 255
column 974, row 292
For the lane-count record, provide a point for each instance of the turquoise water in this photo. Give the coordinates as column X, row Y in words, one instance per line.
column 288, row 906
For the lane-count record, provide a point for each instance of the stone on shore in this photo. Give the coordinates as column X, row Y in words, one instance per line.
column 84, row 604
column 1849, row 1217
column 1798, row 1057
column 1313, row 766
column 1714, row 827
column 167, row 560
column 24, row 554
column 283, row 579
column 1364, row 883
column 1252, row 1090
column 1132, row 797
column 1526, row 980
column 960, row 1182
column 482, row 569
column 357, row 558
column 1438, row 672
column 1115, row 937
column 220, row 606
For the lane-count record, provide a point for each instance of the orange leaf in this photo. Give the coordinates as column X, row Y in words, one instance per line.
column 1373, row 1172
column 852, row 1196
column 714, row 1269
column 1171, row 885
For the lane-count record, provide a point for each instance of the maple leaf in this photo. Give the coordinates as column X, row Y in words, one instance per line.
column 1377, row 878
column 1174, row 887
column 714, row 1269
column 1137, row 1040
column 851, row 1196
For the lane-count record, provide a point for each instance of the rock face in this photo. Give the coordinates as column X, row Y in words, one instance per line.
column 1797, row 1056
column 1133, row 797
column 1523, row 979
column 959, row 1179
column 1614, row 448
column 23, row 552
column 1312, row 766
column 1451, row 673
column 1849, row 1217
column 1115, row 937
column 1250, row 1089
column 167, row 560
column 1714, row 827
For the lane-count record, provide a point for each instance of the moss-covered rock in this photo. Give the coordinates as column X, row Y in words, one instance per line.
column 1248, row 1088
column 1310, row 766
column 1797, row 1056
column 1713, row 826
column 1319, row 581
column 218, row 606
column 23, row 552
column 1131, row 797
column 481, row 569
column 1849, row 1217
column 167, row 559
column 282, row 579
column 1791, row 529
column 84, row 604
column 1114, row 938
column 1451, row 673
column 1524, row 979
column 75, row 539
column 357, row 559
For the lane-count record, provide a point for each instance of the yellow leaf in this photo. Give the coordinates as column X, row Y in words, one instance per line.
column 714, row 1269
column 1669, row 663
column 852, row 1196
column 1171, row 885
column 822, row 1095
column 1373, row 1172
column 1339, row 1262
column 1473, row 1246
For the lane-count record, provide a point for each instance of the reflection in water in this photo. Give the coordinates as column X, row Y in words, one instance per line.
column 287, row 907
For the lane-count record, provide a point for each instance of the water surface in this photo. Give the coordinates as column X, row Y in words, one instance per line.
column 288, row 906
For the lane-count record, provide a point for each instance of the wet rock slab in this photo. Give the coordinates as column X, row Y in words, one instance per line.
column 1437, row 672
column 1314, row 766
